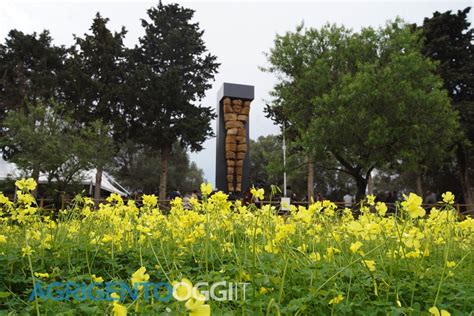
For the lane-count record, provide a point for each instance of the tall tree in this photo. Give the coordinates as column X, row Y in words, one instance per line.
column 373, row 97
column 172, row 71
column 449, row 41
column 94, row 88
column 29, row 73
column 299, row 59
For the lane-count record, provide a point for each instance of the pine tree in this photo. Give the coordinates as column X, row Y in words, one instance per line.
column 171, row 70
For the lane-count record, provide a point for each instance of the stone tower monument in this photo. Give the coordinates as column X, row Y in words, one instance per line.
column 232, row 163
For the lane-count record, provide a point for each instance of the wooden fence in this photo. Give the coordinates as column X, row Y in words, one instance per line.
column 51, row 204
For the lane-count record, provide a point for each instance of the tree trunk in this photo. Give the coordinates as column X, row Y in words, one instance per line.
column 361, row 186
column 464, row 179
column 35, row 175
column 165, row 157
column 419, row 185
column 310, row 192
column 98, row 185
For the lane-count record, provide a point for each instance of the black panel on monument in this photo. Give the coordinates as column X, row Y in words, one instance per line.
column 233, row 91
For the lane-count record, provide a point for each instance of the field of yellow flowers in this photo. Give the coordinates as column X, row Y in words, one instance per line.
column 316, row 260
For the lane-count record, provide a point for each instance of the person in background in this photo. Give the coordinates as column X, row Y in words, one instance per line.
column 347, row 198
column 319, row 197
column 174, row 194
column 430, row 198
column 187, row 202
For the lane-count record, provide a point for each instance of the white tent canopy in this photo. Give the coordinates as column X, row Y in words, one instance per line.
column 87, row 177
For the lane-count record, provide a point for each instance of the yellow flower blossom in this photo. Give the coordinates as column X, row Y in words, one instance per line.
column 140, row 276
column 258, row 194
column 97, row 279
column 370, row 264
column 412, row 205
column 182, row 290
column 26, row 251
column 448, row 197
column 196, row 306
column 149, row 200
column 206, row 188
column 3, row 239
column 355, row 246
column 315, row 256
column 436, row 312
column 263, row 290
column 41, row 275
column 336, row 300
column 381, row 208
column 26, row 184
column 118, row 309
column 450, row 264
column 115, row 198
column 371, row 199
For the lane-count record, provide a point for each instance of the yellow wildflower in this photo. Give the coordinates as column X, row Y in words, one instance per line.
column 97, row 279
column 315, row 256
column 381, row 208
column 263, row 290
column 206, row 188
column 436, row 312
column 448, row 197
column 355, row 246
column 41, row 275
column 412, row 205
column 336, row 300
column 114, row 197
column 302, row 248
column 140, row 276
column 371, row 199
column 149, row 200
column 196, row 306
column 3, row 239
column 26, row 251
column 370, row 264
column 26, row 184
column 450, row 264
column 258, row 194
column 25, row 198
column 182, row 290
column 118, row 309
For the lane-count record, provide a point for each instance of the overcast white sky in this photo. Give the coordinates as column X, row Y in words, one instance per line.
column 236, row 32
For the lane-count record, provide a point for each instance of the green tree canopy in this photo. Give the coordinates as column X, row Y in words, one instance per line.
column 448, row 39
column 139, row 168
column 171, row 72
column 371, row 97
column 29, row 71
column 46, row 140
column 94, row 90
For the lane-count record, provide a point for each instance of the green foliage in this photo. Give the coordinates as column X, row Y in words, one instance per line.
column 365, row 99
column 96, row 75
column 44, row 139
column 448, row 40
column 29, row 67
column 297, row 264
column 266, row 168
column 98, row 146
column 173, row 70
column 139, row 169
